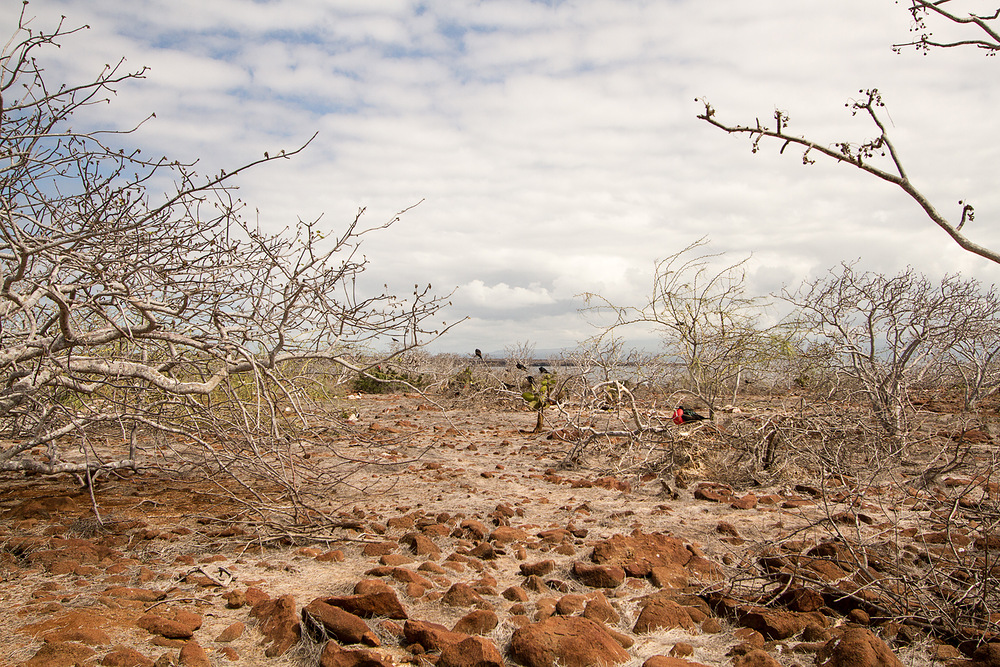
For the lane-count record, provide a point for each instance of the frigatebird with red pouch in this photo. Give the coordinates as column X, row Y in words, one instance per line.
column 683, row 415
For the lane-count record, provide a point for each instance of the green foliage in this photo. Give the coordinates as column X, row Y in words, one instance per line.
column 381, row 380
column 462, row 380
column 538, row 396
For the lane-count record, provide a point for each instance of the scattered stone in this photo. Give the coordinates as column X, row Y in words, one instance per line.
column 471, row 652
column 139, row 594
column 325, row 620
column 515, row 594
column 856, row 647
column 431, row 636
column 126, row 657
column 663, row 613
column 540, row 568
column 640, row 552
column 670, row 661
column 757, row 658
column 370, row 605
column 336, row 656
column 571, row 641
column 59, row 653
column 747, row 502
column 669, row 576
column 479, row 622
column 569, row 605
column 421, row 545
column 507, row 534
column 463, row 595
column 278, row 623
column 599, row 576
column 165, row 627
column 682, row 650
column 599, row 609
column 776, row 624
column 193, row 655
column 232, row 633
column 714, row 492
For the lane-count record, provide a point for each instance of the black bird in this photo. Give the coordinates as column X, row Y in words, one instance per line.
column 479, row 353
column 530, row 380
column 684, row 416
column 521, row 367
column 543, row 369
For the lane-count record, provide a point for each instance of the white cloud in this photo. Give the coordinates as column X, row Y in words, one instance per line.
column 502, row 296
column 555, row 144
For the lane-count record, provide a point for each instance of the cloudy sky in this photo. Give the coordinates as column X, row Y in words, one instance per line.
column 554, row 144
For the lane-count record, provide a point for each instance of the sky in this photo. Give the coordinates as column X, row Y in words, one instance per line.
column 553, row 145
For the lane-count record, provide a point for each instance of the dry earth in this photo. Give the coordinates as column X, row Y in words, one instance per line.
column 465, row 520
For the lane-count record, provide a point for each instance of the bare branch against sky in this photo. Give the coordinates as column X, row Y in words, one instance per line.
column 554, row 144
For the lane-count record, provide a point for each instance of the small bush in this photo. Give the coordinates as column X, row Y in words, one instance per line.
column 381, row 380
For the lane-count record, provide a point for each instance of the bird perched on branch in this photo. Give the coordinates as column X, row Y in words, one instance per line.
column 543, row 370
column 684, row 416
column 521, row 367
column 479, row 353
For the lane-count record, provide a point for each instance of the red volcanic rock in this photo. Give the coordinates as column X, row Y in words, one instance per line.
column 541, row 568
column 747, row 502
column 478, row 622
column 570, row 604
column 165, row 627
column 53, row 654
column 431, row 636
column 126, row 657
column 599, row 609
column 669, row 576
column 471, row 652
column 714, row 492
column 421, row 545
column 193, row 655
column 336, row 656
column 755, row 658
column 669, row 661
column 663, row 613
column 775, row 624
column 278, row 623
column 640, row 552
column 569, row 641
column 231, row 633
column 369, row 605
column 462, row 595
column 599, row 576
column 507, row 534
column 339, row 624
column 856, row 647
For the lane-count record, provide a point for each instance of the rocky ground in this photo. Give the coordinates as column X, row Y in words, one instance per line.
column 465, row 544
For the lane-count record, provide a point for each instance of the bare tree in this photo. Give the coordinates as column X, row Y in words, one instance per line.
column 887, row 331
column 708, row 323
column 924, row 11
column 167, row 314
column 879, row 156
column 975, row 358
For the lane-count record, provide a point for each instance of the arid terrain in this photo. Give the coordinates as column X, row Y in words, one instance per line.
column 461, row 538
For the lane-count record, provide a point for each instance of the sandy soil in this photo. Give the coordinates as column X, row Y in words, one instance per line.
column 178, row 537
